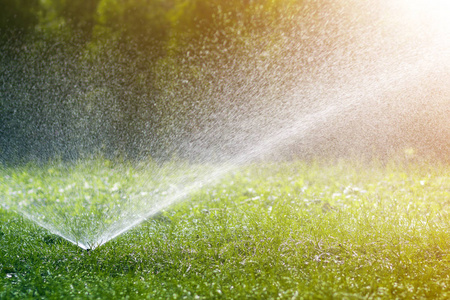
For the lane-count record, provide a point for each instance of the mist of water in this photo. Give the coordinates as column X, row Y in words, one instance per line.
column 342, row 81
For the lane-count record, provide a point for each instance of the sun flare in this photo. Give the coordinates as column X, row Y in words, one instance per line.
column 434, row 12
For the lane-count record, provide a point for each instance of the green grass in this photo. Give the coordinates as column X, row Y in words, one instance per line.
column 283, row 230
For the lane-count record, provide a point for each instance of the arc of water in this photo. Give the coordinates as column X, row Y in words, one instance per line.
column 399, row 78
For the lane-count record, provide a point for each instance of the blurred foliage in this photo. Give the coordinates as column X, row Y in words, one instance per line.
column 144, row 77
column 18, row 16
column 105, row 74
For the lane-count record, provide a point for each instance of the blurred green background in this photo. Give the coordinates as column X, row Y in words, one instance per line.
column 141, row 78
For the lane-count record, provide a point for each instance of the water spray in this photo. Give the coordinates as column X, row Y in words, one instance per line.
column 365, row 66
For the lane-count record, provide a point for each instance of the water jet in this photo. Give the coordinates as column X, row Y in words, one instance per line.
column 325, row 74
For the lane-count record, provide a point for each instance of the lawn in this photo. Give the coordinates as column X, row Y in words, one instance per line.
column 293, row 230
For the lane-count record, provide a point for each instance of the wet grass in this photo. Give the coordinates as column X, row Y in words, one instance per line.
column 286, row 230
